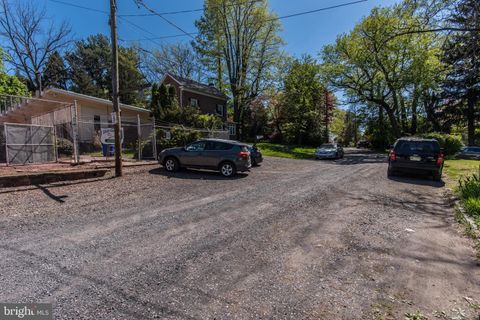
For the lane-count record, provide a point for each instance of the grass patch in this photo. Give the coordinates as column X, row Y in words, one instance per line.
column 125, row 153
column 456, row 169
column 284, row 151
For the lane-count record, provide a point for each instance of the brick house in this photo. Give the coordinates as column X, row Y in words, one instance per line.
column 206, row 97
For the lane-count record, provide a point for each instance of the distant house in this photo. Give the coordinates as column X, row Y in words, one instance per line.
column 208, row 98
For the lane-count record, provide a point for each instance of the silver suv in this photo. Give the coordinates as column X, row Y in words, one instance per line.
column 226, row 156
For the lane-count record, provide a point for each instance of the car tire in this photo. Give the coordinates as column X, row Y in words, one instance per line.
column 227, row 169
column 171, row 164
column 437, row 176
column 390, row 172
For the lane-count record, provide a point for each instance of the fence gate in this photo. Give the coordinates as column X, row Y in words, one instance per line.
column 29, row 143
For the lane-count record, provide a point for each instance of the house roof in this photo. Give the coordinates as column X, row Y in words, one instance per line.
column 95, row 99
column 190, row 84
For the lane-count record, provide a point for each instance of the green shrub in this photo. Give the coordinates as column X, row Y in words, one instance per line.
column 179, row 137
column 472, row 206
column 469, row 187
column 64, row 146
column 450, row 143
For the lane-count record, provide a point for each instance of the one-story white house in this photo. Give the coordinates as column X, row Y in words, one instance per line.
column 92, row 113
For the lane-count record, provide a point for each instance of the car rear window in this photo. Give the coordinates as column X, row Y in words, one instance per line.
column 416, row 147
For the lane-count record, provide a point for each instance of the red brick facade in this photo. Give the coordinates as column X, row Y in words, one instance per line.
column 207, row 103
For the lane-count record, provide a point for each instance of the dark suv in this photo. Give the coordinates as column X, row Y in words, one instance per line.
column 224, row 155
column 414, row 155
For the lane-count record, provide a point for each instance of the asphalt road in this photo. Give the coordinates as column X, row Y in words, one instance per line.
column 293, row 239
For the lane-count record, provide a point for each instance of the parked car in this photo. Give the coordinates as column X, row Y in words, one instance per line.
column 363, row 144
column 226, row 156
column 414, row 155
column 255, row 155
column 470, row 152
column 329, row 151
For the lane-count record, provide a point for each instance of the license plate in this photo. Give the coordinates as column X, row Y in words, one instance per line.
column 415, row 158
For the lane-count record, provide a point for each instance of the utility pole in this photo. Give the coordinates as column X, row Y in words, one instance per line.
column 116, row 102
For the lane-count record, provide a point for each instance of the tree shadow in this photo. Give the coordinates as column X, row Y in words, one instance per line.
column 361, row 157
column 194, row 174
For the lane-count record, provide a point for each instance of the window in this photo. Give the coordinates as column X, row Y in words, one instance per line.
column 232, row 129
column 218, row 146
column 193, row 102
column 196, row 146
column 220, row 109
column 96, row 123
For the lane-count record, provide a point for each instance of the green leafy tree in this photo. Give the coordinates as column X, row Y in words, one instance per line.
column 240, row 41
column 90, row 70
column 304, row 103
column 9, row 84
column 55, row 72
column 377, row 67
column 462, row 54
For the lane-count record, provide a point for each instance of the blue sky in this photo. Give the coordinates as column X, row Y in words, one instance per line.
column 303, row 34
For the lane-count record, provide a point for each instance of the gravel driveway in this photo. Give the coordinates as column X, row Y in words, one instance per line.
column 293, row 239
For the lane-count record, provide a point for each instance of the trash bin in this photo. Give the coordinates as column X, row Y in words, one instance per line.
column 108, row 150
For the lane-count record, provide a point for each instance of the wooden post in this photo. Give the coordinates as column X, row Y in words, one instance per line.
column 115, row 88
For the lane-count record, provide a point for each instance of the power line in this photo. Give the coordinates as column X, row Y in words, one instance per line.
column 181, row 11
column 107, row 13
column 79, row 6
column 142, row 3
column 317, row 10
column 273, row 19
column 160, row 38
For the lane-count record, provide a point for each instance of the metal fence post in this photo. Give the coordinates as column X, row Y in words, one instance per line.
column 154, row 143
column 139, row 134
column 74, row 113
column 6, row 143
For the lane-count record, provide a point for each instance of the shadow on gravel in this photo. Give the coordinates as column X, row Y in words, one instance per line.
column 195, row 174
column 51, row 195
column 361, row 158
column 53, row 185
column 418, row 180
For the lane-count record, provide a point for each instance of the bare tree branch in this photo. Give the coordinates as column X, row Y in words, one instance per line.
column 30, row 40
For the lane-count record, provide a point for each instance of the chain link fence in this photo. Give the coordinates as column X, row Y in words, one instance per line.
column 63, row 135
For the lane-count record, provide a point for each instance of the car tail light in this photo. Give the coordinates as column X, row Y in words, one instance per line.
column 243, row 154
column 440, row 159
column 392, row 156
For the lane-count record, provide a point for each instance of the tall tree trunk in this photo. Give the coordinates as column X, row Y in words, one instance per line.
column 429, row 105
column 393, row 121
column 471, row 101
column 413, row 128
column 400, row 103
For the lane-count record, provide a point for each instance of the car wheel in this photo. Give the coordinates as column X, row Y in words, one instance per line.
column 390, row 172
column 227, row 169
column 171, row 164
column 437, row 176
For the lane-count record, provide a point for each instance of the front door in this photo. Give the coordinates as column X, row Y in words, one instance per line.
column 194, row 155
